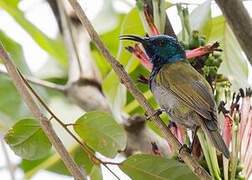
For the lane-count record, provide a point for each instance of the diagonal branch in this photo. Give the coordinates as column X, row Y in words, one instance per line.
column 128, row 82
column 240, row 21
column 44, row 122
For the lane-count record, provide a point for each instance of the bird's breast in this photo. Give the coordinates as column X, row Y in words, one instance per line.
column 177, row 111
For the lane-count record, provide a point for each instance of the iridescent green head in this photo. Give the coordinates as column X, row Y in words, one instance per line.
column 161, row 49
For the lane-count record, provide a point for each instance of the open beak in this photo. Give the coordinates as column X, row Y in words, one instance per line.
column 143, row 40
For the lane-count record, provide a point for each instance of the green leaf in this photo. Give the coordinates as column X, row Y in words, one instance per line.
column 96, row 173
column 15, row 51
column 12, row 106
column 200, row 18
column 149, row 167
column 234, row 65
column 55, row 48
column 27, row 140
column 53, row 162
column 101, row 132
column 80, row 157
column 116, row 92
column 110, row 39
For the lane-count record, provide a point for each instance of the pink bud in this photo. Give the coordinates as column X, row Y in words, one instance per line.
column 202, row 50
column 227, row 136
column 140, row 54
column 149, row 19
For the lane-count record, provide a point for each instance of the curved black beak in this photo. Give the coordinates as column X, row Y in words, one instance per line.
column 143, row 40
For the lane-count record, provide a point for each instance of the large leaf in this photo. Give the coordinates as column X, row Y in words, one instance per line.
column 234, row 65
column 101, row 132
column 55, row 48
column 80, row 157
column 12, row 106
column 110, row 39
column 27, row 140
column 116, row 92
column 53, row 162
column 149, row 167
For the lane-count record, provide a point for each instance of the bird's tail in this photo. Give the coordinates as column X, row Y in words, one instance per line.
column 216, row 140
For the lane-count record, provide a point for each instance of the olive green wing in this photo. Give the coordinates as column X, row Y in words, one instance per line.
column 190, row 88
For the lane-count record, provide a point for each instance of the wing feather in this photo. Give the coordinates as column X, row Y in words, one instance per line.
column 189, row 87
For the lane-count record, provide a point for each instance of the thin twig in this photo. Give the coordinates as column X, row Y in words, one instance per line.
column 44, row 122
column 128, row 82
column 10, row 166
column 42, row 83
column 65, row 126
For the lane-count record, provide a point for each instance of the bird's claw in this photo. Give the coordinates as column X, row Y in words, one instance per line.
column 157, row 112
column 184, row 146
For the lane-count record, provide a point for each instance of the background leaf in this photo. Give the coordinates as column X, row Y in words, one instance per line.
column 110, row 39
column 12, row 107
column 101, row 132
column 234, row 65
column 80, row 157
column 116, row 92
column 55, row 48
column 27, row 140
column 149, row 167
column 200, row 18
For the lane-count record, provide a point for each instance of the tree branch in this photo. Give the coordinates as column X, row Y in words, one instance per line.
column 44, row 122
column 240, row 21
column 128, row 82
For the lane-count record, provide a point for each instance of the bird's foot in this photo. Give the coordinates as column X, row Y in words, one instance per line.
column 157, row 112
column 171, row 124
column 184, row 146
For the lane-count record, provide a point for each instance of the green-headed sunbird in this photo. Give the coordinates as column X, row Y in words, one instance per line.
column 182, row 92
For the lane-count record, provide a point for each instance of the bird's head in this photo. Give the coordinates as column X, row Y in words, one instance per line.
column 160, row 49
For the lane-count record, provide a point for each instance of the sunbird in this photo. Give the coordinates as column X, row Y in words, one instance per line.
column 180, row 91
